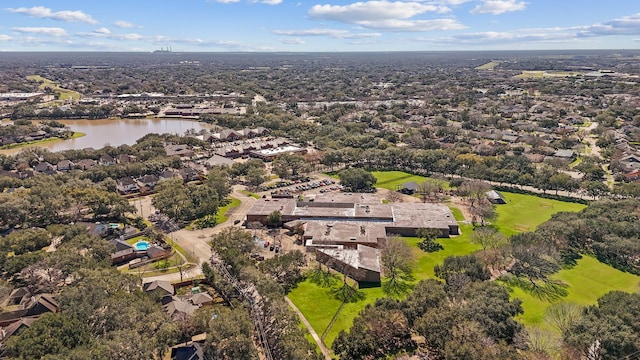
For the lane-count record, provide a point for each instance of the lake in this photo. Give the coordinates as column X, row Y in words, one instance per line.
column 115, row 132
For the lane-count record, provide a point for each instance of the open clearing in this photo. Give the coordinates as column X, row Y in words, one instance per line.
column 587, row 281
column 390, row 180
column 488, row 66
column 525, row 212
column 65, row 94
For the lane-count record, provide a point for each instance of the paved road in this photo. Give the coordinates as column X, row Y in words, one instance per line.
column 196, row 242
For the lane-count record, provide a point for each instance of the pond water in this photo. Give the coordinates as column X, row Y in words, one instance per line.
column 115, row 132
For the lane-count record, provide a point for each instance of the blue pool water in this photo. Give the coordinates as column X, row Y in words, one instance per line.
column 141, row 245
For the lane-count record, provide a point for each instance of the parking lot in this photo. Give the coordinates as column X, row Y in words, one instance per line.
column 292, row 188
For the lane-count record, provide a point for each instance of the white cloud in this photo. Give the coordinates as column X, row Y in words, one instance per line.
column 49, row 31
column 125, row 24
column 627, row 25
column 336, row 34
column 293, row 41
column 271, row 2
column 42, row 12
column 385, row 15
column 414, row 25
column 100, row 33
column 5, row 37
column 370, row 11
column 497, row 7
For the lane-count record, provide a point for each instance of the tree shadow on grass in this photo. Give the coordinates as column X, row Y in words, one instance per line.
column 347, row 294
column 546, row 290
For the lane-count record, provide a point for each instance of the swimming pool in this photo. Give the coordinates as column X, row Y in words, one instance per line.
column 141, row 245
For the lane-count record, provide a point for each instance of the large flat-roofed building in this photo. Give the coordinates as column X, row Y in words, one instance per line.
column 396, row 218
column 270, row 154
column 347, row 230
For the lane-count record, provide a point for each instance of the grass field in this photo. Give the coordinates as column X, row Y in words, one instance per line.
column 249, row 193
column 391, row 179
column 587, row 281
column 37, row 142
column 524, row 212
column 221, row 216
column 488, row 66
column 537, row 74
column 65, row 94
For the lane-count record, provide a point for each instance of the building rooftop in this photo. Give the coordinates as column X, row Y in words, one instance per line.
column 422, row 215
column 331, row 232
column 364, row 257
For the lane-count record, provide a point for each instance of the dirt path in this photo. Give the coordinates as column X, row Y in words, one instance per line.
column 325, row 351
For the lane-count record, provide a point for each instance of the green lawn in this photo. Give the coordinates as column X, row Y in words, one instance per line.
column 488, row 66
column 65, row 94
column 134, row 240
column 390, row 179
column 318, row 306
column 249, row 193
column 588, row 280
column 221, row 216
column 524, row 212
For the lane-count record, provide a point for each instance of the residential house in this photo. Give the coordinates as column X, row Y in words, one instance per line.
column 45, row 168
column 34, row 306
column 65, row 165
column 217, row 160
column 193, row 351
column 181, row 150
column 149, row 181
column 125, row 158
column 127, row 185
column 162, row 287
column 230, row 135
column 188, row 174
column 15, row 328
column 166, row 175
column 106, row 160
column 565, row 154
column 86, row 164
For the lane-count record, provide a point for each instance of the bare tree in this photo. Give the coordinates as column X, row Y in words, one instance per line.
column 397, row 263
column 429, row 190
column 488, row 238
column 394, row 196
column 473, row 191
column 563, row 315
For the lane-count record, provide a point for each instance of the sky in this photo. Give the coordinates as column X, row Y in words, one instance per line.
column 318, row 25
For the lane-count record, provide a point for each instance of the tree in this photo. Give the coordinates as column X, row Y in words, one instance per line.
column 397, row 263
column 284, row 269
column 429, row 190
column 274, row 219
column 563, row 315
column 488, row 238
column 230, row 335
column 52, row 334
column 357, row 180
column 467, row 265
column 393, row 196
column 376, row 333
column 428, row 244
column 612, row 324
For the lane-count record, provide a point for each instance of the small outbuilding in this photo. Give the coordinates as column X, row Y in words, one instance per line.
column 495, row 197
